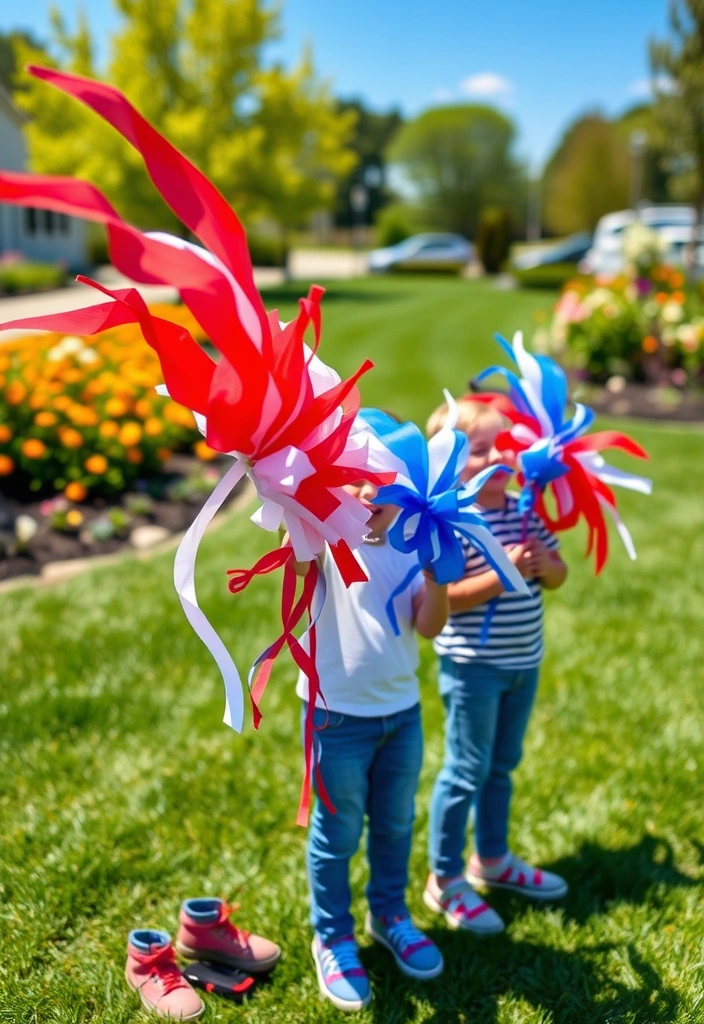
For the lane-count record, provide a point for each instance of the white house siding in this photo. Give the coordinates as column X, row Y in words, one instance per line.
column 42, row 236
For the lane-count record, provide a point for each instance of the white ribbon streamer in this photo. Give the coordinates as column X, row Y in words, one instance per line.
column 184, row 581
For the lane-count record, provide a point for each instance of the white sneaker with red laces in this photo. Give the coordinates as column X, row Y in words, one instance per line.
column 462, row 907
column 514, row 874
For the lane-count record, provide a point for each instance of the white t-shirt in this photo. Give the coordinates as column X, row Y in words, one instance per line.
column 364, row 668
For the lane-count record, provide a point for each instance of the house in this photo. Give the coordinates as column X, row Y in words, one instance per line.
column 40, row 235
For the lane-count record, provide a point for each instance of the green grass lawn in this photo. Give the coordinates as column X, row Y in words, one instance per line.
column 121, row 792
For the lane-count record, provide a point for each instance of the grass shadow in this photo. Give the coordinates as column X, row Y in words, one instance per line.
column 334, row 292
column 561, row 986
column 636, row 874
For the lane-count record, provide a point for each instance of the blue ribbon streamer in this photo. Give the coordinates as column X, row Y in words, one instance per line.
column 433, row 519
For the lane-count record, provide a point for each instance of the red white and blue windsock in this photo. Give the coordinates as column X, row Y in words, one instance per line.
column 554, row 452
column 286, row 419
column 436, row 510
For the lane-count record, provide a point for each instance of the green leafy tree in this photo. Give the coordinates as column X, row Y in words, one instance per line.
column 372, row 135
column 678, row 81
column 459, row 160
column 587, row 176
column 8, row 62
column 269, row 138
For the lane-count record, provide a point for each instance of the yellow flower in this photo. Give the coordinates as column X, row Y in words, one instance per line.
column 204, row 452
column 143, row 408
column 62, row 403
column 82, row 415
column 6, row 465
column 16, row 393
column 108, row 429
column 130, row 434
column 649, row 344
column 75, row 491
column 5, row 432
column 74, row 517
column 153, row 427
column 33, row 448
column 163, row 454
column 38, row 400
column 70, row 438
column 115, row 407
column 96, row 464
column 177, row 415
column 45, row 419
column 72, row 375
column 134, row 456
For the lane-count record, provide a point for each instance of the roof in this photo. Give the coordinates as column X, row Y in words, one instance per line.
column 9, row 108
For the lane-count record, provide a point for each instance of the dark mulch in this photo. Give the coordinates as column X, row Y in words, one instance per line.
column 49, row 545
column 645, row 401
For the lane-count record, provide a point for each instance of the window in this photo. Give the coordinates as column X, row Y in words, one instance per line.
column 49, row 221
column 64, row 223
column 30, row 220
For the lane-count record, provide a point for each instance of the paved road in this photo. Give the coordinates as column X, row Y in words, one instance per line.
column 305, row 265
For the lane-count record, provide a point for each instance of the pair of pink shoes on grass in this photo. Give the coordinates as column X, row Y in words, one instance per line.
column 205, row 933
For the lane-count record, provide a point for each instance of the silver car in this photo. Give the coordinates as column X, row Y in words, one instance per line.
column 423, row 252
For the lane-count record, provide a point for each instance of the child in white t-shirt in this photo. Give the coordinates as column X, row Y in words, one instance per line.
column 370, row 745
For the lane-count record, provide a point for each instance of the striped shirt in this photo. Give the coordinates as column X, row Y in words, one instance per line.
column 515, row 637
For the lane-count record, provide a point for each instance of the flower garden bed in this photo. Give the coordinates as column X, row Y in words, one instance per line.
column 633, row 342
column 91, row 458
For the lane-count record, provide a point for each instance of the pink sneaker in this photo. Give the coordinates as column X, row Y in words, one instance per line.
column 514, row 874
column 206, row 933
column 462, row 907
column 151, row 970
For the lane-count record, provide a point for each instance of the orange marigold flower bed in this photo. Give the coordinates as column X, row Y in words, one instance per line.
column 80, row 414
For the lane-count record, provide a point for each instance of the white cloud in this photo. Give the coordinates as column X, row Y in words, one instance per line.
column 443, row 95
column 488, row 85
column 642, row 88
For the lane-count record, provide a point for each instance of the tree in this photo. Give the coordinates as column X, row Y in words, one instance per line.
column 372, row 135
column 587, row 176
column 678, row 83
column 269, row 138
column 8, row 63
column 460, row 159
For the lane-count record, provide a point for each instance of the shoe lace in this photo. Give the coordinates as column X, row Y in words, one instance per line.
column 226, row 927
column 341, row 957
column 163, row 969
column 403, row 933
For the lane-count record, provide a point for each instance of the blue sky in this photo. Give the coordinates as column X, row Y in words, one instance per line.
column 543, row 62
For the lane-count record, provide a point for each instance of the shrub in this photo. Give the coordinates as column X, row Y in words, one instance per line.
column 267, row 250
column 17, row 278
column 553, row 275
column 393, row 225
column 80, row 415
column 494, row 238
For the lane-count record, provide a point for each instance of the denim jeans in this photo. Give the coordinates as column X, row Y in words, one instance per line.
column 370, row 767
column 486, row 716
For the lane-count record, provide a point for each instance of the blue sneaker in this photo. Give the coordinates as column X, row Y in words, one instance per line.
column 341, row 977
column 413, row 951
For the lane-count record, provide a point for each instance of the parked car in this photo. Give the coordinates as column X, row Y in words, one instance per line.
column 569, row 250
column 423, row 252
column 673, row 223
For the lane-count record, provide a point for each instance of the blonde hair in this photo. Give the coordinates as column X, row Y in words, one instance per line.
column 469, row 414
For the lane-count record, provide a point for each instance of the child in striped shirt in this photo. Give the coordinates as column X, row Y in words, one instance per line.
column 488, row 686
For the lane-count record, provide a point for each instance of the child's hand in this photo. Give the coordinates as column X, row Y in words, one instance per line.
column 539, row 557
column 520, row 556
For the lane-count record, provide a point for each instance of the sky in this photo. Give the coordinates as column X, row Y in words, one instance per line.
column 544, row 62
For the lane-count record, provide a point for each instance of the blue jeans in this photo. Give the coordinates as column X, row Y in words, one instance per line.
column 370, row 766
column 487, row 711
